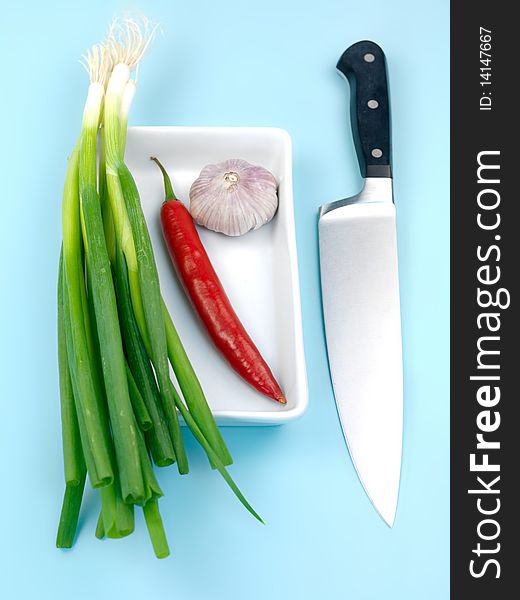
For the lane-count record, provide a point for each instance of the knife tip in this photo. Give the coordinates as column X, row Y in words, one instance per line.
column 389, row 522
column 388, row 514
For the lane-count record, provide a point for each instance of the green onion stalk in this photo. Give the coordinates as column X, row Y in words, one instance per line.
column 75, row 470
column 94, row 435
column 133, row 237
column 109, row 335
column 73, row 459
column 125, row 58
column 158, row 437
column 152, row 305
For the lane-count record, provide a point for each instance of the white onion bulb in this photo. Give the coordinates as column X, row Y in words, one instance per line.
column 233, row 197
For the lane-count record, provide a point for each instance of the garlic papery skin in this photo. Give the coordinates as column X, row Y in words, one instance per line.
column 233, row 197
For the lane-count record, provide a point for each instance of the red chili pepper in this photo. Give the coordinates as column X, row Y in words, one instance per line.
column 207, row 295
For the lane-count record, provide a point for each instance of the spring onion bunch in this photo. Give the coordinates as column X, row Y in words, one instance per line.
column 116, row 339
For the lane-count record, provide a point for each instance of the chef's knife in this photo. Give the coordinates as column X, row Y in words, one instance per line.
column 360, row 290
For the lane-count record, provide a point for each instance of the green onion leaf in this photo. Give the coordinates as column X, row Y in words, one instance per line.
column 158, row 437
column 155, row 529
column 70, row 514
column 93, row 431
column 141, row 412
column 150, row 294
column 193, row 393
column 212, row 455
column 73, row 459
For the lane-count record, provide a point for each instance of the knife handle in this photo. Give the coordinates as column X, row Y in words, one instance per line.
column 364, row 65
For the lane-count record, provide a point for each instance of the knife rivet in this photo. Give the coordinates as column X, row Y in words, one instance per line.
column 372, row 104
column 369, row 57
column 377, row 153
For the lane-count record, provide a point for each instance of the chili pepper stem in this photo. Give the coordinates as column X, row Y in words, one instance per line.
column 168, row 188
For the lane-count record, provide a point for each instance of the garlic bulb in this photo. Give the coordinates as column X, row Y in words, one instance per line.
column 233, row 197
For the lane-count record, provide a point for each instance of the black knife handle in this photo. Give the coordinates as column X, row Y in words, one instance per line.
column 364, row 65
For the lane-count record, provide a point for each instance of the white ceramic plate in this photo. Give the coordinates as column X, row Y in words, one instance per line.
column 258, row 270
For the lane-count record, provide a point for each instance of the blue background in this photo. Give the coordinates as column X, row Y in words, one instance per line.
column 268, row 63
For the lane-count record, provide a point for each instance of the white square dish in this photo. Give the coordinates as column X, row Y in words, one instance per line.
column 258, row 270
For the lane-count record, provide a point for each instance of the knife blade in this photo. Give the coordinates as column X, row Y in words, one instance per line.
column 360, row 290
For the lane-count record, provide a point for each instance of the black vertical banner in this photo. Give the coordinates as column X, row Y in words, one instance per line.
column 485, row 270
